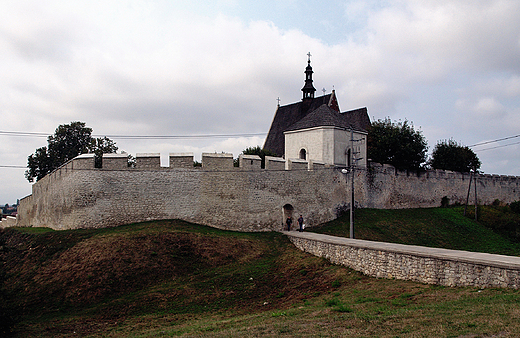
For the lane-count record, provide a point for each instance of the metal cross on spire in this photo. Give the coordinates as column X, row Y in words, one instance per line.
column 309, row 55
column 278, row 99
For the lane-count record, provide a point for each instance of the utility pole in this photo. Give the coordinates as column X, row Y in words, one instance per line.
column 469, row 189
column 352, row 181
column 351, row 168
column 475, row 194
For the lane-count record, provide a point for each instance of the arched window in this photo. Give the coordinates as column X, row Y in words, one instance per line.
column 303, row 154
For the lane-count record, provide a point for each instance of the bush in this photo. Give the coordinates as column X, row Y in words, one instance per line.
column 515, row 207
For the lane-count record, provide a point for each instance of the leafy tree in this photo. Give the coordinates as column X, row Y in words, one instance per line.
column 449, row 155
column 256, row 151
column 100, row 146
column 39, row 165
column 68, row 141
column 396, row 143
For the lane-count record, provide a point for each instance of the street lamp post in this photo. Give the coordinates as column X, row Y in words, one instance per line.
column 345, row 171
column 350, row 169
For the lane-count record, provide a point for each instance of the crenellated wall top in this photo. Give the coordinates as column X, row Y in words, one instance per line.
column 225, row 161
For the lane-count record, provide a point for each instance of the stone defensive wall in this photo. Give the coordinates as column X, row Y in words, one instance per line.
column 415, row 263
column 244, row 198
column 385, row 187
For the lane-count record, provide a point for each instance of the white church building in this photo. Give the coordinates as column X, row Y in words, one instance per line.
column 314, row 129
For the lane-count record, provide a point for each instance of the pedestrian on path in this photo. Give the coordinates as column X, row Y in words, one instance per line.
column 288, row 222
column 300, row 223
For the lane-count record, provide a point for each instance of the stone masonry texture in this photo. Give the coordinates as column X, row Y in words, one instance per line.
column 420, row 264
column 232, row 198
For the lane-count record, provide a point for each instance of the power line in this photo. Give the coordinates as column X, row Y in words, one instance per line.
column 497, row 140
column 13, row 166
column 159, row 137
column 140, row 137
column 505, row 145
column 21, row 133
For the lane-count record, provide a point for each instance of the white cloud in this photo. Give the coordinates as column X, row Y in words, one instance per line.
column 157, row 67
column 489, row 107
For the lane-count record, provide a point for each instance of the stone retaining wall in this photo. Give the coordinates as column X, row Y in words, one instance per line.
column 415, row 263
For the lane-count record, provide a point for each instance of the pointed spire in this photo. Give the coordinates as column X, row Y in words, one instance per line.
column 308, row 89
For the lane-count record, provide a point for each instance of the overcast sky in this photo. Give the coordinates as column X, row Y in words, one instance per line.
column 217, row 67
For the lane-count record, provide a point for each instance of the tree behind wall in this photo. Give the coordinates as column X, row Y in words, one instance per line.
column 68, row 141
column 256, row 151
column 396, row 143
column 450, row 155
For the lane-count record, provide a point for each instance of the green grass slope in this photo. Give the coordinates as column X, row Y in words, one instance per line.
column 433, row 227
column 173, row 278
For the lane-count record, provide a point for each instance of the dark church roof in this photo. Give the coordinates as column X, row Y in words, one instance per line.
column 325, row 116
column 286, row 116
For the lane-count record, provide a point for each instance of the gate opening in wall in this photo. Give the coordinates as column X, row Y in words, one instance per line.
column 287, row 211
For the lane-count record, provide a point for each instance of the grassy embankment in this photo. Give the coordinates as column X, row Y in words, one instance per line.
column 435, row 227
column 172, row 278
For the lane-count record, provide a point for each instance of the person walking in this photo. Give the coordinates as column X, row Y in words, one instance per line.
column 288, row 222
column 300, row 223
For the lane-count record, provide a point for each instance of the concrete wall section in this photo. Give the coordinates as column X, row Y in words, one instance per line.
column 384, row 187
column 317, row 165
column 420, row 264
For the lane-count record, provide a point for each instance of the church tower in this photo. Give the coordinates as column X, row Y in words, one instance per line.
column 308, row 89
